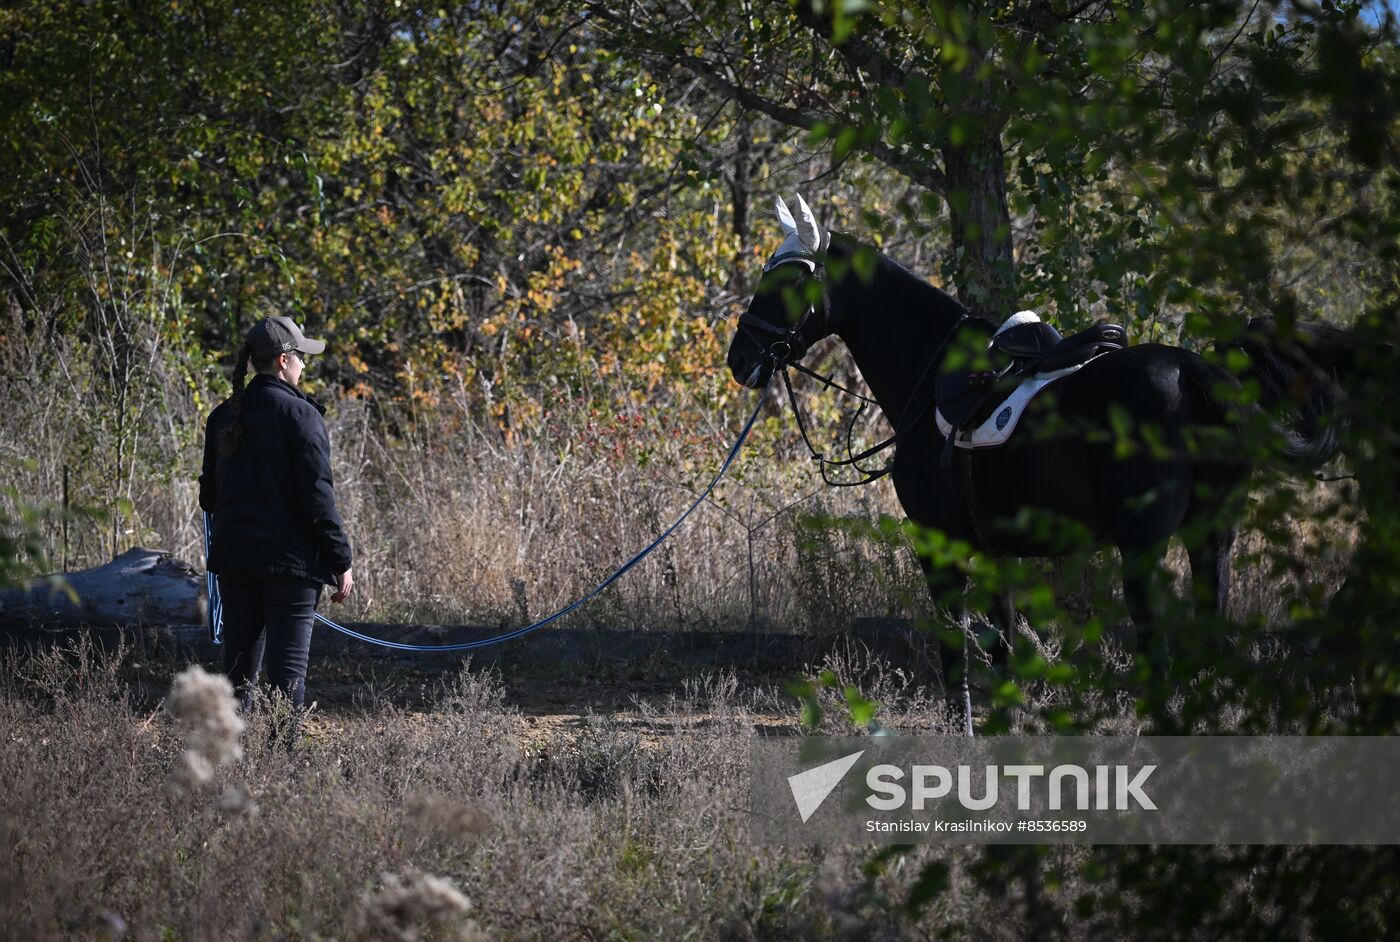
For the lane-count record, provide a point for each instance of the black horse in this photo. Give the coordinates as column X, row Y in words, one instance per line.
column 898, row 327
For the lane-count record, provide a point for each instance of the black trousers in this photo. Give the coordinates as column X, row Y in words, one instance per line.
column 268, row 618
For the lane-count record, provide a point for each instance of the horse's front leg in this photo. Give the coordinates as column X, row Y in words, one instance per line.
column 948, row 589
column 1004, row 621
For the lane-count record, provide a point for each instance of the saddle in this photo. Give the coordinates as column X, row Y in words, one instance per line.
column 1026, row 355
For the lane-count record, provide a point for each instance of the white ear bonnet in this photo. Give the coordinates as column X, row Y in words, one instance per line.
column 805, row 238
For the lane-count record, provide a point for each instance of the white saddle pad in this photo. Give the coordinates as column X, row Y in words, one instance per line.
column 997, row 429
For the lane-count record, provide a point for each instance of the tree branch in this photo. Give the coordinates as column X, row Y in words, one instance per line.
column 856, row 52
column 715, row 76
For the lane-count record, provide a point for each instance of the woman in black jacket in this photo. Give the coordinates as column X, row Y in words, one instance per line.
column 276, row 536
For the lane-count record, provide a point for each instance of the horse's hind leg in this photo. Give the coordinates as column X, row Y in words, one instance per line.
column 1152, row 498
column 1209, row 534
column 1145, row 588
column 1004, row 620
column 1210, row 571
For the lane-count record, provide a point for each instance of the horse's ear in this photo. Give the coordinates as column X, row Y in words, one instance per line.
column 807, row 227
column 785, row 218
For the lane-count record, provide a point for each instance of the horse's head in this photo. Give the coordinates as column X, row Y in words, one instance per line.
column 788, row 312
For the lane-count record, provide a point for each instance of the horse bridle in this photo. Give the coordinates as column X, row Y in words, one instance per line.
column 791, row 345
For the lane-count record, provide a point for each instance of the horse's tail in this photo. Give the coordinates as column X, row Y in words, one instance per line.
column 1300, row 379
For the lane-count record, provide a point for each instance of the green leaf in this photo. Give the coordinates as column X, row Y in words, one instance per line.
column 932, row 883
column 846, row 141
column 862, row 710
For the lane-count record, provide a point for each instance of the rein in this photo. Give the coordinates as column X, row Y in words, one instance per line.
column 781, row 354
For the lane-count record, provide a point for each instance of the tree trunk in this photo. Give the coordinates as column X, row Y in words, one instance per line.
column 981, row 265
column 739, row 193
column 974, row 166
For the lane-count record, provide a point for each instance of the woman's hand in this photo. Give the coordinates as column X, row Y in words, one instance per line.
column 344, row 582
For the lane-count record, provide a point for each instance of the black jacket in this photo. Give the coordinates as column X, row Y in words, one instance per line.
column 271, row 498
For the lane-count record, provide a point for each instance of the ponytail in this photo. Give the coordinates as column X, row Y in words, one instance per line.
column 232, row 435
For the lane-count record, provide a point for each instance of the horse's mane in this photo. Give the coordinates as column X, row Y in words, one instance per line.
column 923, row 294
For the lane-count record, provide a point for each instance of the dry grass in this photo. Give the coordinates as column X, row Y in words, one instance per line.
column 469, row 819
column 389, row 820
column 476, row 809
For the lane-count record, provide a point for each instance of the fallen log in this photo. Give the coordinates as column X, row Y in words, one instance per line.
column 139, row 587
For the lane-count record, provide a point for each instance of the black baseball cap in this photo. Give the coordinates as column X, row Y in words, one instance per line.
column 273, row 335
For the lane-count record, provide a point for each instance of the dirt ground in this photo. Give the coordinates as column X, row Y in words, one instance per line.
column 553, row 701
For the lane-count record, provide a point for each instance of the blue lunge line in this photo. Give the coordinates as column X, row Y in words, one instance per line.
column 215, row 609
